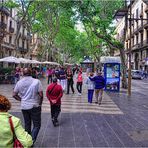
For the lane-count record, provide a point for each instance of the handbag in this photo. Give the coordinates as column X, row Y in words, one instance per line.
column 16, row 142
column 49, row 92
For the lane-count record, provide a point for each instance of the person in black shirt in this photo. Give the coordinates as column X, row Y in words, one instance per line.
column 70, row 81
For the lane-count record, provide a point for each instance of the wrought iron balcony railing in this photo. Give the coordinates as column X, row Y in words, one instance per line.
column 4, row 10
column 3, row 25
column 11, row 29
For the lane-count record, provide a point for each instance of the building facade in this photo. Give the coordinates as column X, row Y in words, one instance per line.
column 139, row 34
column 8, row 31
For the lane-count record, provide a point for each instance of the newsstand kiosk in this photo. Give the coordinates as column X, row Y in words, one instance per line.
column 111, row 67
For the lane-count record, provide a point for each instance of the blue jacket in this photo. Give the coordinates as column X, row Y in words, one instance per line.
column 99, row 82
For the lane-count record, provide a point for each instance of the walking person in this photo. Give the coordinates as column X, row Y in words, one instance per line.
column 70, row 81
column 6, row 134
column 99, row 85
column 62, row 78
column 79, row 82
column 30, row 92
column 90, row 87
column 17, row 74
column 54, row 94
column 49, row 75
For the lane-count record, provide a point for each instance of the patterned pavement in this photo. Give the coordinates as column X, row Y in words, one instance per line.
column 118, row 122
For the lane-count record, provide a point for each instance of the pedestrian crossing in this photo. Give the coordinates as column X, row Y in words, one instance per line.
column 71, row 103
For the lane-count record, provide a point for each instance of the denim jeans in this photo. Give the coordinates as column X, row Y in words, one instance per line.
column 90, row 95
column 79, row 87
column 32, row 115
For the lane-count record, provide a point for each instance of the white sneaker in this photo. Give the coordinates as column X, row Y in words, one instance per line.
column 79, row 94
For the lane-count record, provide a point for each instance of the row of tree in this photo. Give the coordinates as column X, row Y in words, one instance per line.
column 55, row 23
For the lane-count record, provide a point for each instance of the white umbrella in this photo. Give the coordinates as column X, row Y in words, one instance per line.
column 23, row 60
column 10, row 59
column 51, row 63
column 35, row 62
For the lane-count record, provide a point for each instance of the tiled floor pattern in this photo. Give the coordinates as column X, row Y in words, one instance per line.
column 70, row 103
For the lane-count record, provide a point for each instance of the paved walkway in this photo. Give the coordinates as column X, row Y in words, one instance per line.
column 118, row 122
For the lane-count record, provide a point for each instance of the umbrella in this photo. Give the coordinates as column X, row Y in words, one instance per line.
column 23, row 60
column 35, row 62
column 51, row 63
column 10, row 59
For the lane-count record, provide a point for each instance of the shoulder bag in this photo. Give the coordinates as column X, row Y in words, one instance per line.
column 49, row 92
column 16, row 142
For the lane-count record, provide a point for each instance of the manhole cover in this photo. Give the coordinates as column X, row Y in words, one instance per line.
column 139, row 135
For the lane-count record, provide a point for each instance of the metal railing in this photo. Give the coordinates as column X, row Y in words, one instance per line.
column 11, row 29
column 3, row 25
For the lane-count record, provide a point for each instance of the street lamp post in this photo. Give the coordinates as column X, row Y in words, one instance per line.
column 129, row 54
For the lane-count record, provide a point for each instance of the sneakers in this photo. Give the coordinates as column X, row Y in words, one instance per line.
column 55, row 122
column 79, row 94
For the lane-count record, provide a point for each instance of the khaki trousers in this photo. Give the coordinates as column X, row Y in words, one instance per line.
column 98, row 95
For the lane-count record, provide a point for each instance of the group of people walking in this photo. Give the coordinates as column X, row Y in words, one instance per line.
column 29, row 91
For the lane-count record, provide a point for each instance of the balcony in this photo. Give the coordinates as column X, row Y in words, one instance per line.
column 11, row 29
column 3, row 25
column 140, row 45
column 146, row 9
column 24, row 37
column 140, row 27
column 2, row 35
column 4, row 10
column 23, row 50
column 145, row 43
column 136, row 46
column 141, row 15
column 145, row 24
column 136, row 30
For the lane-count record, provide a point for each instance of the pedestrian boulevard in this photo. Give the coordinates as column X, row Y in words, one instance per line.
column 112, row 124
column 70, row 103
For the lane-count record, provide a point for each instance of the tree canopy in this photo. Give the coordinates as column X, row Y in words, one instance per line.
column 55, row 22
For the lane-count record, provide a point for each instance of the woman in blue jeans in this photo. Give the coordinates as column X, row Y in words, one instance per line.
column 90, row 87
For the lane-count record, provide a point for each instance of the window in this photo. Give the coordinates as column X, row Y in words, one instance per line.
column 126, row 45
column 2, row 18
column 10, row 53
column 10, row 24
column 137, row 13
column 133, row 41
column 10, row 39
column 137, row 39
column 141, row 38
column 23, row 43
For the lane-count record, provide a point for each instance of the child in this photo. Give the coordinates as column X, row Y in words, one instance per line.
column 90, row 87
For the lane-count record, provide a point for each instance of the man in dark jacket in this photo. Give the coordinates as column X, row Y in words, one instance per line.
column 54, row 94
column 99, row 85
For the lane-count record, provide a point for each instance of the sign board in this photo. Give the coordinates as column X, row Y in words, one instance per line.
column 110, row 60
column 112, row 76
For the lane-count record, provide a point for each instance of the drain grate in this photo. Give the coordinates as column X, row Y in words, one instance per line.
column 139, row 135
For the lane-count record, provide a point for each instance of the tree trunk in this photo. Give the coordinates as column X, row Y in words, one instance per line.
column 124, row 79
